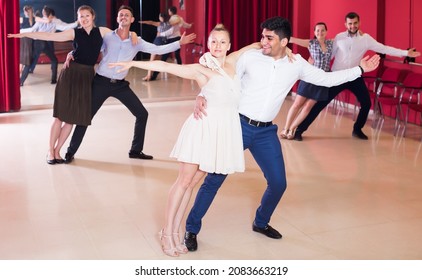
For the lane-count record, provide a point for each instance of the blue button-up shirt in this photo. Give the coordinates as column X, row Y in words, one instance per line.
column 115, row 49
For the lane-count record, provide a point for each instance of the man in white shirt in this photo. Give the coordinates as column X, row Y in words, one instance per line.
column 349, row 47
column 267, row 77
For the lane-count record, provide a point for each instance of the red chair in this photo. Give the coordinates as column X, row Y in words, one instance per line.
column 411, row 95
column 388, row 94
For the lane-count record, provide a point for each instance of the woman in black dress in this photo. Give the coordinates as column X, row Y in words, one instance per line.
column 72, row 101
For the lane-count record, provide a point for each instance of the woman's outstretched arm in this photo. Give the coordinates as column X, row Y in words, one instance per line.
column 301, row 42
column 186, row 71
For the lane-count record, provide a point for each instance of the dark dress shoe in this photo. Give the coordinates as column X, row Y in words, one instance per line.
column 359, row 134
column 59, row 160
column 298, row 136
column 68, row 158
column 53, row 82
column 51, row 161
column 267, row 231
column 190, row 241
column 139, row 155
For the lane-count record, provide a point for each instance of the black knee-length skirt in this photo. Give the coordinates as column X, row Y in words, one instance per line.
column 73, row 94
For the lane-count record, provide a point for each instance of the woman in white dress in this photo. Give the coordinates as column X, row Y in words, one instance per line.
column 212, row 144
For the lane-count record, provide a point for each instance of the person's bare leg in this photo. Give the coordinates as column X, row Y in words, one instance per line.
column 177, row 192
column 148, row 76
column 54, row 135
column 64, row 134
column 291, row 115
column 306, row 108
column 181, row 248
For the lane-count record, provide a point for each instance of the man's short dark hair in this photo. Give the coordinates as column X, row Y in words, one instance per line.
column 173, row 10
column 48, row 11
column 352, row 15
column 124, row 7
column 279, row 25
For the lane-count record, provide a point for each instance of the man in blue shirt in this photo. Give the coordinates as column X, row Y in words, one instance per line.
column 117, row 46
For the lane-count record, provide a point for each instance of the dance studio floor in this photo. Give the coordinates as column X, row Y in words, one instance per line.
column 346, row 199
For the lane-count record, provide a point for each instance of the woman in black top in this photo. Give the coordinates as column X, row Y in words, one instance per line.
column 72, row 101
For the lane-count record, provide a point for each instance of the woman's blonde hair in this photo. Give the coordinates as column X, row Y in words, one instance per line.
column 219, row 27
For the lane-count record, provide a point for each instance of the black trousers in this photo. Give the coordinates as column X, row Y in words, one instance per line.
column 103, row 88
column 358, row 88
column 164, row 57
column 46, row 47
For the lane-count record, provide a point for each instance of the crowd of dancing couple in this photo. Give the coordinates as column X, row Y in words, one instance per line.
column 241, row 93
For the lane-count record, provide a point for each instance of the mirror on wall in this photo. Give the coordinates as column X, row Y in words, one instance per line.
column 35, row 86
column 66, row 9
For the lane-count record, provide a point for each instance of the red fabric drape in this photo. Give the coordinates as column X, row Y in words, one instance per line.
column 10, row 96
column 243, row 17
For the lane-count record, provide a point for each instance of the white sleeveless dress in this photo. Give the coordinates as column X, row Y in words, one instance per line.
column 215, row 141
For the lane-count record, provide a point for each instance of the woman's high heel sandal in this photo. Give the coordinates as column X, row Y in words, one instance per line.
column 284, row 133
column 172, row 251
column 180, row 247
column 291, row 134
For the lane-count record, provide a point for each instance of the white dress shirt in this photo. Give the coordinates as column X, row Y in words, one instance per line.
column 349, row 50
column 265, row 82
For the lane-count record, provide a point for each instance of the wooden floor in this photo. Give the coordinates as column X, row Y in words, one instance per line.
column 346, row 199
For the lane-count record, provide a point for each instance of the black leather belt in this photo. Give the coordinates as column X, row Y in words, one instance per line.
column 113, row 81
column 255, row 123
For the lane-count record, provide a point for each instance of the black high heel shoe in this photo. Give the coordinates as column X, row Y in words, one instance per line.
column 51, row 161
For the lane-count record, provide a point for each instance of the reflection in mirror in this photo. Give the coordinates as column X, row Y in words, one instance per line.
column 64, row 12
column 38, row 92
column 66, row 9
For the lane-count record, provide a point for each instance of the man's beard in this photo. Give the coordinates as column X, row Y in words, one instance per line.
column 353, row 33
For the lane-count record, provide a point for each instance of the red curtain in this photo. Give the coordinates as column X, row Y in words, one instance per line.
column 243, row 17
column 10, row 96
